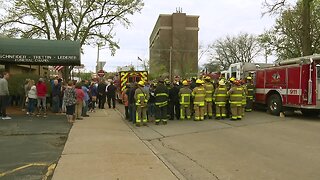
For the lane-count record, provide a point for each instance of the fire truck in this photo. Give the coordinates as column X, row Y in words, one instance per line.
column 127, row 77
column 290, row 84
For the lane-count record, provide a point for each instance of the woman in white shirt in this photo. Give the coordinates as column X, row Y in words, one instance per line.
column 32, row 97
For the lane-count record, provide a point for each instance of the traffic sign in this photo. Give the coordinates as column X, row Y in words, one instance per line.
column 101, row 73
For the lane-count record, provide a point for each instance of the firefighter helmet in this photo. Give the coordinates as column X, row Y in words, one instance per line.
column 232, row 79
column 249, row 77
column 207, row 78
column 222, row 83
column 199, row 81
column 141, row 83
column 185, row 83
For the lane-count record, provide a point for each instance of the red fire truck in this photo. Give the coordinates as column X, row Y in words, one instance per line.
column 290, row 84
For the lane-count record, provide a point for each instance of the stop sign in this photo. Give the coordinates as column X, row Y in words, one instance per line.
column 101, row 73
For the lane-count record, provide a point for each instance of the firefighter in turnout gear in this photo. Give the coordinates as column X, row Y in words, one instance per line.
column 220, row 98
column 208, row 86
column 235, row 99
column 244, row 96
column 141, row 97
column 185, row 99
column 250, row 94
column 199, row 94
column 161, row 101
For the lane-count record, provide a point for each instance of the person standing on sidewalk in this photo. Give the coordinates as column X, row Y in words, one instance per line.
column 101, row 94
column 56, row 91
column 124, row 97
column 70, row 99
column 41, row 93
column 80, row 99
column 111, row 95
column 132, row 105
column 85, row 89
column 141, row 97
column 32, row 97
column 93, row 93
column 4, row 96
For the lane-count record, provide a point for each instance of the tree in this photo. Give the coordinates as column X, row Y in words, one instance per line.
column 286, row 38
column 229, row 50
column 90, row 22
column 305, row 19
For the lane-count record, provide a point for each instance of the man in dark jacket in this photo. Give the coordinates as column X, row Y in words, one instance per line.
column 101, row 94
column 174, row 96
column 132, row 106
column 111, row 95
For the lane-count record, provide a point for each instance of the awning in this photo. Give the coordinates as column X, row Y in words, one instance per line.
column 39, row 52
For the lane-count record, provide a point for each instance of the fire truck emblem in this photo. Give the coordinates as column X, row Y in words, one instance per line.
column 276, row 77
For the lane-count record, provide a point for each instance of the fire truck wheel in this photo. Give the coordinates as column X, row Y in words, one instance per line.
column 274, row 104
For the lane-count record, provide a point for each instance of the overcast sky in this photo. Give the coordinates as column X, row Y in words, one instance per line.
column 218, row 18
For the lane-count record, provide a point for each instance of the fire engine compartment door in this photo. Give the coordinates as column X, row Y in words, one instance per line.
column 318, row 82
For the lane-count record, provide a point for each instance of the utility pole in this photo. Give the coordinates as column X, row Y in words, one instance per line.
column 98, row 54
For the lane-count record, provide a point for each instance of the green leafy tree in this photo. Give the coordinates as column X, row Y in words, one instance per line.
column 305, row 16
column 90, row 22
column 286, row 38
column 233, row 49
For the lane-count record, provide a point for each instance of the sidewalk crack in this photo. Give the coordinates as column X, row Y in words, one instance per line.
column 188, row 157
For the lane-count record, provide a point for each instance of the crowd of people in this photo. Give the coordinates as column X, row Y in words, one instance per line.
column 144, row 101
column 73, row 98
column 199, row 99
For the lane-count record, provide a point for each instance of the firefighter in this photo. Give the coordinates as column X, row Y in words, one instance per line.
column 141, row 97
column 228, row 86
column 170, row 106
column 208, row 86
column 220, row 98
column 199, row 94
column 185, row 99
column 250, row 94
column 244, row 96
column 161, row 101
column 235, row 98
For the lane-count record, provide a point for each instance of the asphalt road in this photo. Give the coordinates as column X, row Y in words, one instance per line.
column 260, row 146
column 28, row 145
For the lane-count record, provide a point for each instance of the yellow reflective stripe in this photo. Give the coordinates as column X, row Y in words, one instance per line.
column 236, row 102
column 220, row 103
column 161, row 103
column 199, row 95
column 209, row 91
column 222, row 89
column 250, row 89
column 236, row 95
column 221, row 95
column 239, row 89
column 162, row 94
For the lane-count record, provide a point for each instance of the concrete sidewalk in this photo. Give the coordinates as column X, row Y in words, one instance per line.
column 102, row 146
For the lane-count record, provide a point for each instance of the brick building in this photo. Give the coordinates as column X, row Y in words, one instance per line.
column 173, row 45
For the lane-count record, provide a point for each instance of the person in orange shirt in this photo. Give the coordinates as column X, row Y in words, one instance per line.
column 125, row 101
